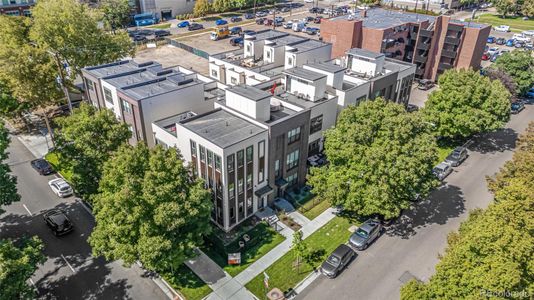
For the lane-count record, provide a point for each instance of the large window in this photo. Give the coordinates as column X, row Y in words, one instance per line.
column 217, row 163
column 261, row 161
column 239, row 158
column 193, row 148
column 231, row 191
column 126, row 107
column 202, row 153
column 250, row 152
column 240, row 186
column 293, row 159
column 89, row 84
column 292, row 179
column 230, row 163
column 276, row 168
column 249, row 181
column 210, row 158
column 107, row 95
column 316, row 124
column 293, row 135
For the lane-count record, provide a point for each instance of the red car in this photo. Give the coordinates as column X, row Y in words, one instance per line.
column 485, row 56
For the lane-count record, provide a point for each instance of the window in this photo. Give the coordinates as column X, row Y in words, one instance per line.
column 231, row 191
column 107, row 95
column 214, row 73
column 249, row 181
column 249, row 202
column 240, row 207
column 292, row 179
column 316, row 124
column 277, row 168
column 12, row 13
column 193, row 148
column 261, row 149
column 202, row 153
column 233, row 80
column 293, row 135
column 210, row 158
column 293, row 159
column 126, row 107
column 89, row 84
column 250, row 151
column 268, row 54
column 217, row 163
column 261, row 161
column 239, row 158
column 230, row 163
column 290, row 60
column 248, row 48
column 240, row 187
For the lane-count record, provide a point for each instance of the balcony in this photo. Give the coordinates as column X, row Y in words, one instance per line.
column 426, row 33
column 423, row 46
column 452, row 40
column 444, row 66
column 448, row 53
column 455, row 27
column 420, row 58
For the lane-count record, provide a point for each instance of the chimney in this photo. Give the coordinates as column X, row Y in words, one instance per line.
column 363, row 13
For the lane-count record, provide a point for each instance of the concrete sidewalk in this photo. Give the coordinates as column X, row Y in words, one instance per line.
column 37, row 144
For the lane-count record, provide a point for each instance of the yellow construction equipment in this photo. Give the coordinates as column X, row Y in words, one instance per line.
column 220, row 32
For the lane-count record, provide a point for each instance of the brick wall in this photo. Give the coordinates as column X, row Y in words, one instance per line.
column 343, row 34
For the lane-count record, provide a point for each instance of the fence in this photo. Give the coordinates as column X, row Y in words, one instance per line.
column 188, row 48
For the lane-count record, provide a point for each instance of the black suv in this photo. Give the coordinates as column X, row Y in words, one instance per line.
column 338, row 260
column 58, row 222
column 161, row 33
column 42, row 166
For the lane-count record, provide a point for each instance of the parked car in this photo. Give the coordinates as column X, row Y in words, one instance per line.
column 220, row 22
column 237, row 41
column 139, row 38
column 298, row 26
column 58, row 222
column 500, row 41
column 60, row 187
column 161, row 33
column 261, row 14
column 485, row 56
column 236, row 30
column 268, row 22
column 517, row 107
column 502, row 28
column 510, row 42
column 494, row 57
column 442, row 170
column 260, row 21
column 337, row 261
column 309, row 1
column 520, row 37
column 364, row 235
column 530, row 93
column 312, row 30
column 42, row 166
column 195, row 26
column 425, row 85
column 249, row 32
column 412, row 108
column 529, row 46
column 317, row 20
column 457, row 156
column 519, row 44
column 490, row 40
column 285, row 9
column 288, row 25
column 528, row 33
column 493, row 50
column 279, row 19
column 248, row 16
column 235, row 19
column 316, row 10
column 183, row 24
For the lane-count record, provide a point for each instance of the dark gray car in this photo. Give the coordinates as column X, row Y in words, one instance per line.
column 369, row 231
column 457, row 156
column 442, row 170
column 338, row 260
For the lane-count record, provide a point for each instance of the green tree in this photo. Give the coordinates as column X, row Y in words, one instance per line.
column 380, row 157
column 520, row 66
column 8, row 182
column 149, row 209
column 506, row 80
column 492, row 252
column 527, row 8
column 202, row 8
column 467, row 103
column 85, row 141
column 505, row 7
column 300, row 248
column 116, row 13
column 18, row 262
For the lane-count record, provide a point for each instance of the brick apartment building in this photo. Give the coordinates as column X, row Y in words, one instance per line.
column 433, row 44
column 16, row 7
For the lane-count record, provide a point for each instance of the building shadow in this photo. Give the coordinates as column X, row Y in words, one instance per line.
column 496, row 141
column 442, row 204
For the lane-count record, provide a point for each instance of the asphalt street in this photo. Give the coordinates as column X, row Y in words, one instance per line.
column 410, row 248
column 70, row 272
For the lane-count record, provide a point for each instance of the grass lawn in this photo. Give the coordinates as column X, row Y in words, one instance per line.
column 53, row 159
column 161, row 26
column 443, row 152
column 188, row 283
column 310, row 211
column 516, row 23
column 284, row 275
column 268, row 239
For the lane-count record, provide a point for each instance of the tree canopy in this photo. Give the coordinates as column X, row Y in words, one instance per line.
column 85, row 141
column 492, row 252
column 520, row 66
column 8, row 182
column 380, row 158
column 116, row 13
column 149, row 209
column 202, row 8
column 467, row 103
column 505, row 7
column 18, row 262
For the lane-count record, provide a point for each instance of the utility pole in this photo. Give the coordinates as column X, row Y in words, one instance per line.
column 254, row 8
column 274, row 18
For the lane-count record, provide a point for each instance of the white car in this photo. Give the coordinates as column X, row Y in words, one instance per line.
column 309, row 1
column 528, row 33
column 521, row 37
column 502, row 28
column 493, row 50
column 60, row 187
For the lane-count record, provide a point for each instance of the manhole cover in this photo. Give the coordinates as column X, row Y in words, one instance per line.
column 406, row 277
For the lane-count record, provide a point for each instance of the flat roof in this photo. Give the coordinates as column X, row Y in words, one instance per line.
column 222, row 128
column 287, row 40
column 302, row 103
column 328, row 67
column 308, row 45
column 250, row 92
column 118, row 68
column 304, row 74
column 365, row 53
column 469, row 24
column 383, row 18
column 159, row 86
column 267, row 34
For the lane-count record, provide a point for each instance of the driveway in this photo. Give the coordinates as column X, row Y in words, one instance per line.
column 70, row 271
column 411, row 247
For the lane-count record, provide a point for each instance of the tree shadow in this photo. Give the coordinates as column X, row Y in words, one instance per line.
column 442, row 204
column 496, row 141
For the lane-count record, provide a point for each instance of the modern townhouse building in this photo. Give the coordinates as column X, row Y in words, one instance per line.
column 140, row 94
column 433, row 43
column 264, row 56
column 16, row 7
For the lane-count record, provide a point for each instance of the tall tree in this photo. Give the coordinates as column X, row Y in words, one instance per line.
column 467, row 103
column 85, row 141
column 492, row 254
column 8, row 182
column 18, row 262
column 149, row 209
column 202, row 8
column 520, row 66
column 505, row 7
column 380, row 157
column 506, row 80
column 116, row 13
column 527, row 8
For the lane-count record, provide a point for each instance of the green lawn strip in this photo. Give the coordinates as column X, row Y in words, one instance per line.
column 517, row 24
column 283, row 274
column 269, row 239
column 161, row 26
column 53, row 159
column 188, row 283
column 443, row 152
column 314, row 208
